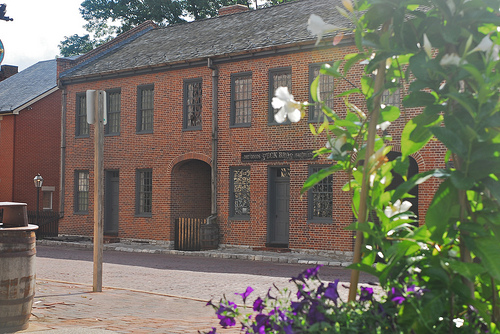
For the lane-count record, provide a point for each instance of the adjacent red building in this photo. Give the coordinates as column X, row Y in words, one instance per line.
column 30, row 136
column 191, row 131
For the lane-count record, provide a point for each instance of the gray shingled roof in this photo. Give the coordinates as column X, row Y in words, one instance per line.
column 27, row 85
column 253, row 30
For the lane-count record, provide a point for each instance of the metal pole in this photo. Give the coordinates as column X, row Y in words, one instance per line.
column 37, row 204
column 98, row 190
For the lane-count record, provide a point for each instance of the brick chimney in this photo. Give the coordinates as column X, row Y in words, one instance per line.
column 7, row 71
column 232, row 9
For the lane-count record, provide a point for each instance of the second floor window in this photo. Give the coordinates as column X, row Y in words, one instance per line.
column 192, row 104
column 145, row 108
column 81, row 126
column 241, row 99
column 280, row 77
column 114, row 106
column 325, row 91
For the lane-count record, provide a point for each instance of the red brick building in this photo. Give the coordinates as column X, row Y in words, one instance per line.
column 30, row 136
column 191, row 131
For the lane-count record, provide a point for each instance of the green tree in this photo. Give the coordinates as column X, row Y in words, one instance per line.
column 75, row 45
column 107, row 18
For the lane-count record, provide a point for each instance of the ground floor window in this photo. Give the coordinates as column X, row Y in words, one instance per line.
column 240, row 192
column 47, row 195
column 320, row 198
column 144, row 192
column 82, row 185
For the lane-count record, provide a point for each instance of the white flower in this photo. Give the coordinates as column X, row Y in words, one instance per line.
column 450, row 59
column 491, row 49
column 485, row 44
column 458, row 322
column 397, row 207
column 288, row 107
column 372, row 179
column 335, row 144
column 427, row 46
column 318, row 27
column 383, row 126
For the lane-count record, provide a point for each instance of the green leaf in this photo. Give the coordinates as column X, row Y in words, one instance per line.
column 443, row 208
column 314, row 89
column 419, row 99
column 389, row 113
column 494, row 187
column 331, row 70
column 461, row 181
column 416, row 133
column 317, row 177
column 487, row 248
column 468, row 270
column 415, row 180
column 450, row 139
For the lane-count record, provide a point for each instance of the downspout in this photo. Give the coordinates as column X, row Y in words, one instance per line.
column 63, row 152
column 215, row 106
column 14, row 134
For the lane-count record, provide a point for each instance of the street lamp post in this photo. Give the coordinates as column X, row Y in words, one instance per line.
column 38, row 184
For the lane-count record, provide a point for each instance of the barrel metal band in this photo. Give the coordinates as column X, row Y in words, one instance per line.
column 27, row 253
column 17, row 301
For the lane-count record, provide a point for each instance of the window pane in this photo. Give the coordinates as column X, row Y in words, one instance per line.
column 326, row 86
column 82, row 191
column 321, row 197
column 241, row 192
column 242, row 106
column 193, row 104
column 81, row 109
column 114, row 106
column 47, row 200
column 145, row 191
column 146, row 109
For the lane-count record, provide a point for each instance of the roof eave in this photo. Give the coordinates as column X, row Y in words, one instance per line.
column 30, row 102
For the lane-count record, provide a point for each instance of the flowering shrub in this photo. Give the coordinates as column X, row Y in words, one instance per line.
column 442, row 276
column 316, row 307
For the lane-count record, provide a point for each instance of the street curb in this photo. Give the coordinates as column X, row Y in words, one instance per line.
column 290, row 258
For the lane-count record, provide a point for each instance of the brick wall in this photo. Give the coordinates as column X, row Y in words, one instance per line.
column 35, row 137
column 180, row 159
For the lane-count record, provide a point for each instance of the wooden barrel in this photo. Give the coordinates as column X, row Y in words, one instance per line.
column 17, row 276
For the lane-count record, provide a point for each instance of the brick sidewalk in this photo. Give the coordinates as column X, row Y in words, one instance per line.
column 62, row 307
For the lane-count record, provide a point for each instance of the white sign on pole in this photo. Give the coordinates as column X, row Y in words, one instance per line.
column 91, row 105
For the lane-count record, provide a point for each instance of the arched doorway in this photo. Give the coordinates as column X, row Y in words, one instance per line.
column 191, row 190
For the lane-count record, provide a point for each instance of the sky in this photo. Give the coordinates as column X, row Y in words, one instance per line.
column 38, row 28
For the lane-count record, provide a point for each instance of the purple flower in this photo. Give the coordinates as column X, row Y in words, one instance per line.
column 261, row 323
column 331, row 291
column 258, row 305
column 213, row 331
column 245, row 294
column 366, row 294
column 226, row 321
column 396, row 296
column 315, row 315
column 297, row 307
column 308, row 273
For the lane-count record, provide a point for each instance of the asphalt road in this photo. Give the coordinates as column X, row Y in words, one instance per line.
column 185, row 276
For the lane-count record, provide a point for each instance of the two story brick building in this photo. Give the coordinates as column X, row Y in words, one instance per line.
column 191, row 131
